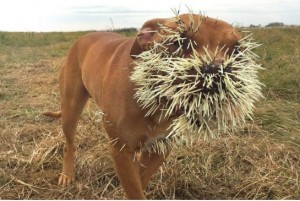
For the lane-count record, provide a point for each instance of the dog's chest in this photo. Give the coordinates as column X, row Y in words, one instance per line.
column 152, row 140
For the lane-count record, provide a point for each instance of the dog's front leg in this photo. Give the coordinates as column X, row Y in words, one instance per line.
column 128, row 172
column 150, row 163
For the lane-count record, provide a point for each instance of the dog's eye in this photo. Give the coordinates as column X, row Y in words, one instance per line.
column 179, row 42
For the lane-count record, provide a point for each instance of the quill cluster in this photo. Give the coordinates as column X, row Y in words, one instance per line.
column 210, row 99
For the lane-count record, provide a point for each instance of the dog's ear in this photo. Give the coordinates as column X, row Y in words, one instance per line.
column 145, row 36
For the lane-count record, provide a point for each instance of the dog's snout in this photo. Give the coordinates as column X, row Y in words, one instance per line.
column 218, row 61
column 213, row 67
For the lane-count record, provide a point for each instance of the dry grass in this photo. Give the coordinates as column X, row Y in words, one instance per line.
column 261, row 162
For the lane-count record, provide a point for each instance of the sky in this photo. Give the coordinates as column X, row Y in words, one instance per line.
column 81, row 15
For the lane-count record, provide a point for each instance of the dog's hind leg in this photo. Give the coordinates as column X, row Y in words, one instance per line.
column 73, row 99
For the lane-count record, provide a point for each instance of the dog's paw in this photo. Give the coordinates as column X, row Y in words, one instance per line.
column 65, row 179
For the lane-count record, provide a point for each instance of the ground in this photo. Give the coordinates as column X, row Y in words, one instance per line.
column 261, row 161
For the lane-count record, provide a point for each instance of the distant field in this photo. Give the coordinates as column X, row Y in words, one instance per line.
column 262, row 161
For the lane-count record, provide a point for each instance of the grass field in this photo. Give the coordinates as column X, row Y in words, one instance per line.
column 262, row 161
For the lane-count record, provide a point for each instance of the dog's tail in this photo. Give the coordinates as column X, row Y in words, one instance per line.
column 53, row 114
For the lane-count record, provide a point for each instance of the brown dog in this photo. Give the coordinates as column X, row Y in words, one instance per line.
column 99, row 66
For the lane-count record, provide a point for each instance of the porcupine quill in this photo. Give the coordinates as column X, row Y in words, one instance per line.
column 214, row 99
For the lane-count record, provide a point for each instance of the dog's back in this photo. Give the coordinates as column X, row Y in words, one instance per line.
column 95, row 55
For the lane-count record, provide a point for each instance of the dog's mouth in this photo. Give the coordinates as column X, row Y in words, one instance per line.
column 207, row 80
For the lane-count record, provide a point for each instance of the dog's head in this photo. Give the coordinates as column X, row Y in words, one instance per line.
column 197, row 68
column 188, row 31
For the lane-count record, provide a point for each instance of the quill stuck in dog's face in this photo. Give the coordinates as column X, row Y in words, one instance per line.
column 198, row 69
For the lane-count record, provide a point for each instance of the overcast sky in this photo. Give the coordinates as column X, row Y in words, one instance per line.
column 76, row 15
